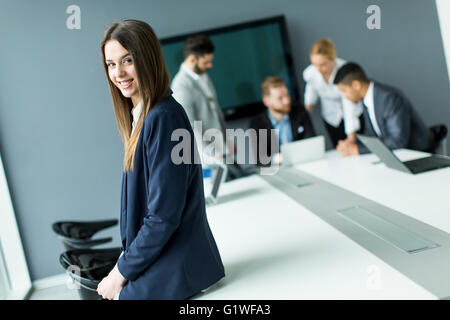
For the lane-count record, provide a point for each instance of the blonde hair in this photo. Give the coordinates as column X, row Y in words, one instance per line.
column 271, row 82
column 141, row 42
column 324, row 47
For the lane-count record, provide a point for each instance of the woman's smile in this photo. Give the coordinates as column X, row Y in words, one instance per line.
column 125, row 84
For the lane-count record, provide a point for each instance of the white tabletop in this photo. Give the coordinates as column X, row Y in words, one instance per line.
column 273, row 248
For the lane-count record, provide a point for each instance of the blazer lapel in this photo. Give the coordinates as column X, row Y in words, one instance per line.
column 378, row 108
column 297, row 127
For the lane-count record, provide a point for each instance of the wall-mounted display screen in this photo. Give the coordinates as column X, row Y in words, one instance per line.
column 244, row 55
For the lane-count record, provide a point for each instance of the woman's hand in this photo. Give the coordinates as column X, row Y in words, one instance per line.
column 347, row 148
column 110, row 286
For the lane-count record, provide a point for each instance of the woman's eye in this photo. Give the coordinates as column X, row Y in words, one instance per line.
column 127, row 61
column 110, row 64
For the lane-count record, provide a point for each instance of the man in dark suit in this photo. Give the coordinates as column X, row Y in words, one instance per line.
column 388, row 114
column 293, row 122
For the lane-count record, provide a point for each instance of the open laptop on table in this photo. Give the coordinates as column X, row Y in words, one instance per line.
column 218, row 177
column 377, row 147
column 304, row 150
column 297, row 152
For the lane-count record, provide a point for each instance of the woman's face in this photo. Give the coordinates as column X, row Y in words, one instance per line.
column 121, row 70
column 323, row 64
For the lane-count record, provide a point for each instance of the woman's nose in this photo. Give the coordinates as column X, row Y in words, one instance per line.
column 120, row 71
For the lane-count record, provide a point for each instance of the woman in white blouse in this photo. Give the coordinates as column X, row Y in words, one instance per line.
column 342, row 118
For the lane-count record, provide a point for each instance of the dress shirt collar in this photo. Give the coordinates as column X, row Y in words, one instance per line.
column 333, row 73
column 191, row 73
column 274, row 121
column 136, row 112
column 370, row 104
column 368, row 98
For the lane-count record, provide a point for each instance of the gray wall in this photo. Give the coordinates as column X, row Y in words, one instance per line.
column 58, row 137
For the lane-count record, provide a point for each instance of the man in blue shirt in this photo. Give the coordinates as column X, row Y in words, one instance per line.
column 292, row 122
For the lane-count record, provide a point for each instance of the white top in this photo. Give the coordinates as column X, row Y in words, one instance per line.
column 368, row 101
column 335, row 107
column 136, row 112
column 202, row 80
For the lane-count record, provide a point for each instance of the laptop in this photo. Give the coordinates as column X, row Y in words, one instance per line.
column 429, row 163
column 304, row 150
column 218, row 177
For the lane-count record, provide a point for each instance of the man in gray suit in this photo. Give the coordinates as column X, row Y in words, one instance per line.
column 194, row 90
column 388, row 114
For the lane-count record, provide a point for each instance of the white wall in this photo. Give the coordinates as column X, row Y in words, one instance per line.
column 443, row 8
column 11, row 247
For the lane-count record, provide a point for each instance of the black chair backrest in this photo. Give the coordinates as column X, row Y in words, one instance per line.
column 81, row 229
column 439, row 131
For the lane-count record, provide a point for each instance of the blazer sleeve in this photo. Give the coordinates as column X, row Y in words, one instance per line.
column 362, row 149
column 185, row 97
column 167, row 189
column 397, row 119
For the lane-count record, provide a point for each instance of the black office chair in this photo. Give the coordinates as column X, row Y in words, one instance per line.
column 91, row 266
column 439, row 132
column 77, row 235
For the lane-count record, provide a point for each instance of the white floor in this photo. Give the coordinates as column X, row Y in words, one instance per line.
column 55, row 293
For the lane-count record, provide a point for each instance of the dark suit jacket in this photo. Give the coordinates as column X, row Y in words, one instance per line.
column 399, row 123
column 169, row 250
column 301, row 126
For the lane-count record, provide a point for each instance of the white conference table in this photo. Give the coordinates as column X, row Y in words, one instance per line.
column 424, row 196
column 274, row 248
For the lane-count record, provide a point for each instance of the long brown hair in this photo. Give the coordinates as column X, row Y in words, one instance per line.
column 141, row 42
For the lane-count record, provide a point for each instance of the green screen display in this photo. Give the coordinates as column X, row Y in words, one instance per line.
column 242, row 59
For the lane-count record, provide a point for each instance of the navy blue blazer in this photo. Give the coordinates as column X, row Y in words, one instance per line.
column 169, row 250
column 400, row 125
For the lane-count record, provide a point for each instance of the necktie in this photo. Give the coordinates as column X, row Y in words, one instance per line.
column 368, row 127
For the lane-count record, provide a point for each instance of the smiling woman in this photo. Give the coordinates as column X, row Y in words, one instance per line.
column 169, row 251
